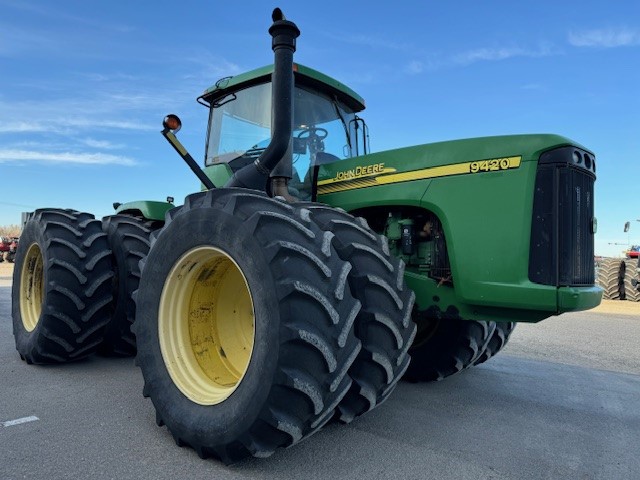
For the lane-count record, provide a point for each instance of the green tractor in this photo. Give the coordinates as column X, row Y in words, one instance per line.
column 293, row 288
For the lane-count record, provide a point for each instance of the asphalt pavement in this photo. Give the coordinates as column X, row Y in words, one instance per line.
column 561, row 401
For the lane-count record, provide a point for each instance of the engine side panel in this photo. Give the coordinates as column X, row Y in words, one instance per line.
column 482, row 193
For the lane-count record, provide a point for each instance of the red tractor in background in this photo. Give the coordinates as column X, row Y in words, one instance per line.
column 11, row 254
column 8, row 247
column 633, row 252
column 5, row 245
column 631, row 267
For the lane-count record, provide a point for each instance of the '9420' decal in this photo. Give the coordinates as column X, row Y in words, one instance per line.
column 490, row 165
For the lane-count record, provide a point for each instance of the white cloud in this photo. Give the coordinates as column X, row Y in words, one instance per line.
column 414, row 67
column 90, row 123
column 25, row 127
column 85, row 158
column 605, row 38
column 501, row 53
column 67, row 116
column 71, row 125
column 108, row 77
column 487, row 54
column 102, row 144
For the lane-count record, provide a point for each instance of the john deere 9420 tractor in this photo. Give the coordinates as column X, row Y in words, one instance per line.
column 293, row 288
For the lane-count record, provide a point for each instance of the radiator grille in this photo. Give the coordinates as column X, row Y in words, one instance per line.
column 562, row 233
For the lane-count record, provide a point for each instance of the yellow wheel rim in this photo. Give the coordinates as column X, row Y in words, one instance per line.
column 32, row 287
column 206, row 325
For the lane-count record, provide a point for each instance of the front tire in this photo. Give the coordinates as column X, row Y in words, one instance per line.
column 243, row 324
column 498, row 341
column 384, row 324
column 61, row 294
column 444, row 347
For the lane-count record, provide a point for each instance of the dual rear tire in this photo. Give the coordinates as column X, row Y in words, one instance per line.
column 61, row 295
column 244, row 325
column 128, row 239
column 299, row 310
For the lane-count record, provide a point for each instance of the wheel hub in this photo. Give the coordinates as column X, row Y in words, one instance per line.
column 32, row 287
column 206, row 325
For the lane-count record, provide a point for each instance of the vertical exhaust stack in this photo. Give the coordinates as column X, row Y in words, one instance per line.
column 256, row 175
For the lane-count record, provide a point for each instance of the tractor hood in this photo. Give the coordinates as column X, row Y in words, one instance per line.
column 435, row 160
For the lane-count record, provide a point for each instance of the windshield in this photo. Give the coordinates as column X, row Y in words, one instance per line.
column 240, row 129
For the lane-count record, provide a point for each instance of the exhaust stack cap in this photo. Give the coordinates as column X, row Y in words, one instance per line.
column 283, row 32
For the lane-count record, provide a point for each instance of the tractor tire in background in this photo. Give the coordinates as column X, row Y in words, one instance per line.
column 632, row 293
column 444, row 347
column 61, row 296
column 611, row 278
column 384, row 324
column 497, row 342
column 244, row 325
column 129, row 242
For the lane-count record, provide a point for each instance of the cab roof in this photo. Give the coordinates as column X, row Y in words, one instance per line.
column 303, row 76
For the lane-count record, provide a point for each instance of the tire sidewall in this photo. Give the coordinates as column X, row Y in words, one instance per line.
column 25, row 340
column 444, row 340
column 116, row 241
column 438, row 356
column 229, row 419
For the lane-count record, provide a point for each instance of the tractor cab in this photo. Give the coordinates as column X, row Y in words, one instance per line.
column 326, row 128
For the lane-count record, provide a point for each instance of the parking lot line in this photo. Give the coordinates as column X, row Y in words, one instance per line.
column 18, row 421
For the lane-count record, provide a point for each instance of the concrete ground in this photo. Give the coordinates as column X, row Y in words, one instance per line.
column 561, row 401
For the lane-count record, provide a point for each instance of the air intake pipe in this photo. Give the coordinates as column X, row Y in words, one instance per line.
column 256, row 175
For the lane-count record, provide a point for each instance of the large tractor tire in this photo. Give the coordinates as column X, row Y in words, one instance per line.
column 444, row 347
column 244, row 325
column 129, row 242
column 611, row 278
column 384, row 324
column 631, row 273
column 61, row 295
column 497, row 342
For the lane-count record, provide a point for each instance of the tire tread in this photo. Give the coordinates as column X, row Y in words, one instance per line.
column 77, row 294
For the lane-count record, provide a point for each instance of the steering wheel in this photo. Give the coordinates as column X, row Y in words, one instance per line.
column 316, row 133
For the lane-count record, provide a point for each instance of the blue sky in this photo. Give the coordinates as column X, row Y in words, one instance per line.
column 84, row 86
